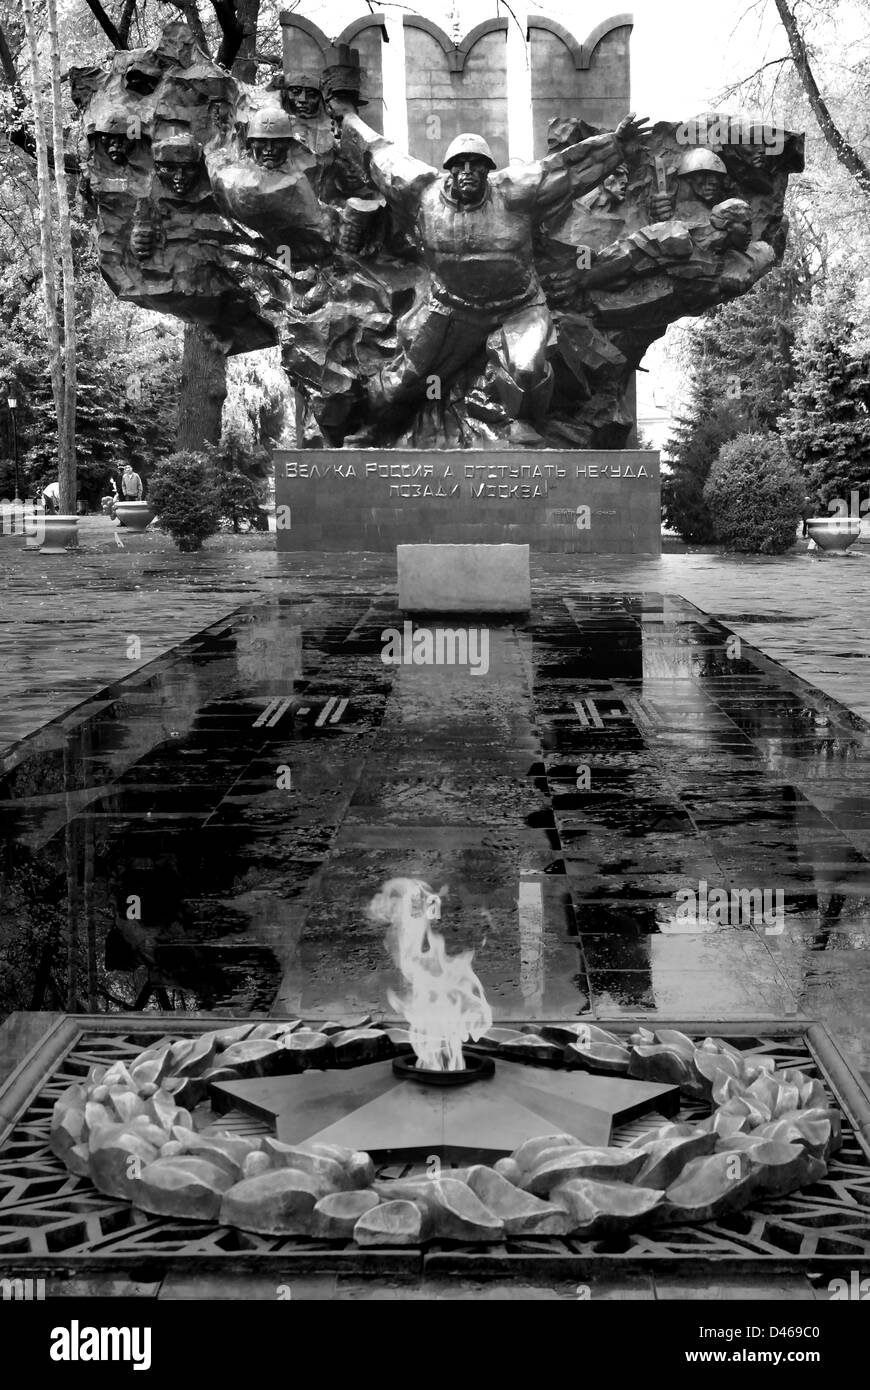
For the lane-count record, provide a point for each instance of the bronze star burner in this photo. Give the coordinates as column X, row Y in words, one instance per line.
column 388, row 1114
column 475, row 1069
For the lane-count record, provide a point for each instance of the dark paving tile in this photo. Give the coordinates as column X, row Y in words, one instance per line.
column 608, row 883
column 568, row 737
column 763, row 812
column 619, row 992
column 447, row 800
column 598, row 844
column 621, row 918
column 156, row 800
column 622, row 814
column 272, row 852
column 293, row 788
column 536, row 849
column 689, row 742
column 622, row 771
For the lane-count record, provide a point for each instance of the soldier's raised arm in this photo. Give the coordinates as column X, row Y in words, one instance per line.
column 584, row 165
column 401, row 178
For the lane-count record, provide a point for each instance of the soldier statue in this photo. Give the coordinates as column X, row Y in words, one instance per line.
column 473, row 231
column 701, row 181
column 270, row 134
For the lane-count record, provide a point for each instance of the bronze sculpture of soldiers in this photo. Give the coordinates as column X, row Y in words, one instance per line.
column 683, row 268
column 473, row 230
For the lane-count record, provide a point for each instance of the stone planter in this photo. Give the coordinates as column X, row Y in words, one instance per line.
column 834, row 532
column 60, row 533
column 134, row 515
column 33, row 531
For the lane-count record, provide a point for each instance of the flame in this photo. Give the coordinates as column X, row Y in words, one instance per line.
column 445, row 1004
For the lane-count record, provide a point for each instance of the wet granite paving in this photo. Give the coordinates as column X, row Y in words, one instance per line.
column 65, row 621
column 219, row 819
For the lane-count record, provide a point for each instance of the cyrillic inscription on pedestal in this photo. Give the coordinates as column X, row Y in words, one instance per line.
column 571, row 501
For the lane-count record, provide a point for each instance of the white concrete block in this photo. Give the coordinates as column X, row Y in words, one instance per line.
column 464, row 578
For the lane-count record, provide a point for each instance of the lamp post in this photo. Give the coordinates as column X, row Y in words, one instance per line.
column 12, row 402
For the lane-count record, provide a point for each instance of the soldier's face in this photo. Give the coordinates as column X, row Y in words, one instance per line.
column 706, row 186
column 756, row 158
column 117, row 148
column 469, row 178
column 305, row 101
column 617, row 186
column 269, row 153
column 179, row 178
column 740, row 233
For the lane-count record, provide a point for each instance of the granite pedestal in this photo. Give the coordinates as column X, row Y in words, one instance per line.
column 464, row 578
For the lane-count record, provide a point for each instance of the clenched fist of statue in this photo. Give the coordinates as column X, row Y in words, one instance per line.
column 338, row 107
column 142, row 240
column 661, row 207
column 561, row 286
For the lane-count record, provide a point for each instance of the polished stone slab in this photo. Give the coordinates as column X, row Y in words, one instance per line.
column 463, row 579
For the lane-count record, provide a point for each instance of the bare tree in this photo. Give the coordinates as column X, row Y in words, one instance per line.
column 7, row 62
column 67, row 432
column 46, row 237
column 106, row 24
column 846, row 153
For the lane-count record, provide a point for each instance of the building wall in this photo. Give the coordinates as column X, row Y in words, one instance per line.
column 446, row 88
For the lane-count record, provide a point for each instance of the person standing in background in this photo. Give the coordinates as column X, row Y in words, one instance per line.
column 131, row 485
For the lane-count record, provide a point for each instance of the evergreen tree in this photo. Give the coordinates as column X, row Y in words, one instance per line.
column 827, row 423
column 241, row 470
column 696, row 441
column 740, row 362
column 127, row 397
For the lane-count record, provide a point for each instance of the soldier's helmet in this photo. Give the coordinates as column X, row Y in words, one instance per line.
column 468, row 145
column 176, row 149
column 270, row 123
column 114, row 123
column 700, row 161
column 302, row 77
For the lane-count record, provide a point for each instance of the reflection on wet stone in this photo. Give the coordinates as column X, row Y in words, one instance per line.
column 220, row 820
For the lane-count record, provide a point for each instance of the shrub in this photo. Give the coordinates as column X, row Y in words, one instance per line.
column 239, row 501
column 242, row 469
column 184, row 490
column 755, row 495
